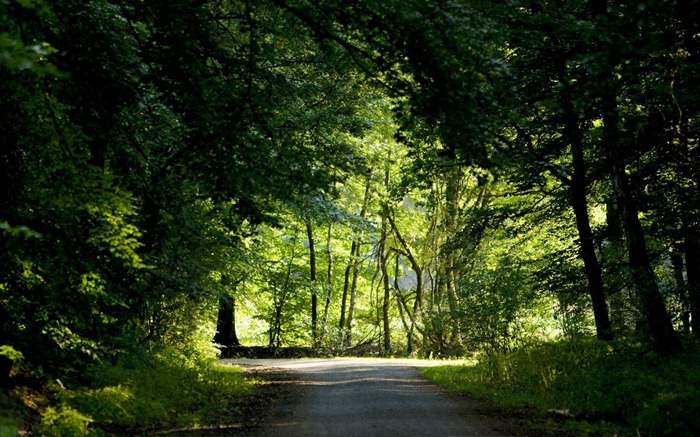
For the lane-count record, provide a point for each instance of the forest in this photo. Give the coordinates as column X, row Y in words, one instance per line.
column 516, row 182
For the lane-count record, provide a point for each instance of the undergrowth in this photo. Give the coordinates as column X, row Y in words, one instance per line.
column 11, row 411
column 610, row 389
column 164, row 390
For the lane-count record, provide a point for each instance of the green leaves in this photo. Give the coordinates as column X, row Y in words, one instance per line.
column 17, row 231
column 158, row 155
column 18, row 54
column 112, row 231
column 12, row 354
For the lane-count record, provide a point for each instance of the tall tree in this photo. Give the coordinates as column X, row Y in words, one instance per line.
column 664, row 337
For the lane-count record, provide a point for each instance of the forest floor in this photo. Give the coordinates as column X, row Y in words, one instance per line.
column 371, row 397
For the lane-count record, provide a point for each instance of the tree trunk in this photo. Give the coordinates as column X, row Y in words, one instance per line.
column 226, row 323
column 577, row 186
column 382, row 258
column 329, row 274
column 579, row 203
column 385, row 304
column 404, row 310
column 664, row 338
column 613, row 256
column 594, row 273
column 353, row 294
column 452, row 192
column 350, row 289
column 346, row 286
column 276, row 328
column 417, row 303
column 312, row 279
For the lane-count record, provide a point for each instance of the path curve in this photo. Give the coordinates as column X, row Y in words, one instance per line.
column 371, row 397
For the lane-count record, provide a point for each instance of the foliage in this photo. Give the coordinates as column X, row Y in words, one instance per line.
column 12, row 354
column 283, row 285
column 65, row 421
column 475, row 178
column 12, row 414
column 132, row 164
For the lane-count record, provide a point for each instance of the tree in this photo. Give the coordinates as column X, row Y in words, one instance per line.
column 131, row 125
column 145, row 144
column 663, row 334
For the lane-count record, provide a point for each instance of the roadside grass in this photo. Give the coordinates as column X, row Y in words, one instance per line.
column 137, row 395
column 605, row 389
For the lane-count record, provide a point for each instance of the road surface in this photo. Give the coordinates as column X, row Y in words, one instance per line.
column 371, row 397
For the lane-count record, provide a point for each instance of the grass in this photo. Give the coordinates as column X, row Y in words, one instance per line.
column 165, row 390
column 611, row 390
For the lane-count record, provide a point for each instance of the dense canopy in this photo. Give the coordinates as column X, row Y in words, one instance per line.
column 423, row 177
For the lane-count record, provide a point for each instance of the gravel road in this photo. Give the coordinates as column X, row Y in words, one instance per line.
column 370, row 397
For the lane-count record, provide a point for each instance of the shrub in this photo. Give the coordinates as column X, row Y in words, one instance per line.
column 9, row 427
column 65, row 422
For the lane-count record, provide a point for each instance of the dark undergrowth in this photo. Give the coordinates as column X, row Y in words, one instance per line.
column 596, row 388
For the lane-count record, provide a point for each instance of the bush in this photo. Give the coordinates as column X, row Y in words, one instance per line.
column 9, row 427
column 65, row 422
column 12, row 413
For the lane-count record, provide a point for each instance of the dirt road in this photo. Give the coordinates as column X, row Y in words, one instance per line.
column 370, row 397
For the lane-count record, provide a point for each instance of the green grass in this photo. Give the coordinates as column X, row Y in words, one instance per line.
column 636, row 391
column 162, row 391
